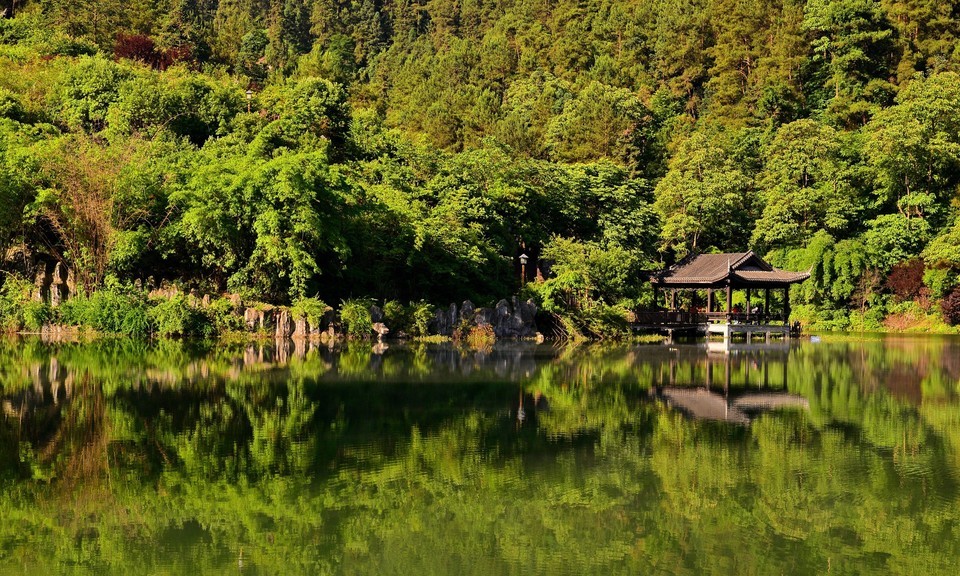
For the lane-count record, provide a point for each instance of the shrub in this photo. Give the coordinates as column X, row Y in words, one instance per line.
column 116, row 309
column 412, row 319
column 176, row 317
column 36, row 314
column 420, row 315
column 310, row 308
column 395, row 315
column 950, row 306
column 481, row 336
column 355, row 315
column 223, row 316
column 906, row 279
column 14, row 295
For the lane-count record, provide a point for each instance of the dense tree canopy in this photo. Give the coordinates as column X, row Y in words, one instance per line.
column 413, row 149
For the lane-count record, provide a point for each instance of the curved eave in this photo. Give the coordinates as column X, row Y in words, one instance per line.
column 744, row 279
column 773, row 278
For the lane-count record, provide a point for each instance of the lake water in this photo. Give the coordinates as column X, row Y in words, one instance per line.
column 835, row 457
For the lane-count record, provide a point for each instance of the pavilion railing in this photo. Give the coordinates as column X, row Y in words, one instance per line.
column 685, row 317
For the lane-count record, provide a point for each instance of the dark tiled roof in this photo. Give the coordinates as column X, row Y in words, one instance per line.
column 712, row 268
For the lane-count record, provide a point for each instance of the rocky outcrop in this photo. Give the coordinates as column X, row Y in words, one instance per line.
column 53, row 283
column 58, row 288
column 283, row 323
column 42, row 283
column 514, row 319
column 444, row 321
column 509, row 319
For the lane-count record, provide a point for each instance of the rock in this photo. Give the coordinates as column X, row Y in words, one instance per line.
column 283, row 323
column 329, row 322
column 301, row 328
column 483, row 316
column 466, row 311
column 58, row 289
column 502, row 320
column 381, row 330
column 251, row 318
column 42, row 283
column 514, row 320
column 267, row 318
column 444, row 321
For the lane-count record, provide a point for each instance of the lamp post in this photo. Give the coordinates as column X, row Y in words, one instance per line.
column 249, row 98
column 523, row 269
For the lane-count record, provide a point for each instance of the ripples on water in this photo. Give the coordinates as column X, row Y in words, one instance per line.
column 806, row 459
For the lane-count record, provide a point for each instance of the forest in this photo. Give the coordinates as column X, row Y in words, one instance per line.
column 412, row 150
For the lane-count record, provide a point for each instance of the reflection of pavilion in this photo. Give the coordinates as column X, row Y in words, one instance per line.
column 735, row 386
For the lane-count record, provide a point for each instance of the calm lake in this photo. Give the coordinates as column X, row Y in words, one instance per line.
column 839, row 457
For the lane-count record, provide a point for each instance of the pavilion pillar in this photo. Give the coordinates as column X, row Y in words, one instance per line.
column 749, row 309
column 709, row 300
column 766, row 302
column 786, row 305
column 729, row 301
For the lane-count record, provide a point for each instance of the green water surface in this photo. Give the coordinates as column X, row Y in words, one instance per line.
column 825, row 457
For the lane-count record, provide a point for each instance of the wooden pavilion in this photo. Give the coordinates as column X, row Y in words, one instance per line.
column 697, row 280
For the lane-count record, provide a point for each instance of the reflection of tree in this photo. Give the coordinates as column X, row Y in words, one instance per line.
column 309, row 472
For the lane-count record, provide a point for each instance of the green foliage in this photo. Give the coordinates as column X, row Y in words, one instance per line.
column 413, row 151
column 312, row 309
column 420, row 315
column 413, row 319
column 36, row 314
column 177, row 316
column 15, row 297
column 115, row 309
column 805, row 186
column 355, row 315
column 223, row 316
column 83, row 97
column 705, row 197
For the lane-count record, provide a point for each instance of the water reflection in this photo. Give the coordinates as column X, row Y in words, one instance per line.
column 119, row 457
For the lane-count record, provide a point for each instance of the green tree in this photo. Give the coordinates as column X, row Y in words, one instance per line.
column 706, row 198
column 914, row 147
column 805, row 186
column 853, row 45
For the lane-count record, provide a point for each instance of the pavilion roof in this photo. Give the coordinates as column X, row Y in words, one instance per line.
column 738, row 268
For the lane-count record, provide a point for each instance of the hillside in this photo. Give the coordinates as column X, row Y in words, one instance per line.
column 413, row 150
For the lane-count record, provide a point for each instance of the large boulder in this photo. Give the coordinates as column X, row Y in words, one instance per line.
column 42, row 282
column 467, row 310
column 301, row 328
column 483, row 316
column 444, row 321
column 381, row 330
column 284, row 323
column 514, row 319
